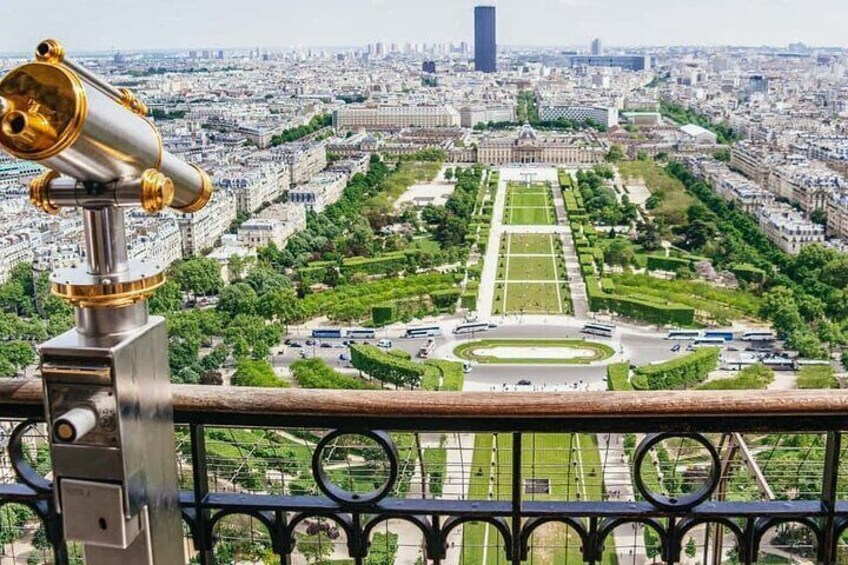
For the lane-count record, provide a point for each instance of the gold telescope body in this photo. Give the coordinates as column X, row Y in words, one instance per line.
column 64, row 117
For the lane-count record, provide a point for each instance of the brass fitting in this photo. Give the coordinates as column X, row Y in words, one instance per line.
column 50, row 51
column 30, row 130
column 157, row 191
column 39, row 192
column 205, row 193
column 131, row 102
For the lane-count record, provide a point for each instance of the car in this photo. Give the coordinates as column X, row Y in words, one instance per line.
column 731, row 348
column 524, row 382
column 467, row 368
column 343, row 357
column 676, row 348
column 287, row 341
column 339, row 345
column 295, row 344
column 349, row 342
column 385, row 343
column 326, row 345
column 492, row 325
column 313, row 342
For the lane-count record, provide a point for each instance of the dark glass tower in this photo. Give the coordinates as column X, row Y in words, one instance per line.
column 485, row 46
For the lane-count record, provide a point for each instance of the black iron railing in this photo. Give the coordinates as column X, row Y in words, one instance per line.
column 482, row 477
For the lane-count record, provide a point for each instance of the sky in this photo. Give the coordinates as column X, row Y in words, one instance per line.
column 109, row 25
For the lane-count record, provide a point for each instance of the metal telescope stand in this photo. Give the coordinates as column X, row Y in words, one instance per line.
column 108, row 407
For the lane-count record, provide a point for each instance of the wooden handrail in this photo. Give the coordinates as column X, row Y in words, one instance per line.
column 397, row 405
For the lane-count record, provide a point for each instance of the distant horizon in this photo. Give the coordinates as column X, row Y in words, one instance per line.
column 289, row 48
column 108, row 26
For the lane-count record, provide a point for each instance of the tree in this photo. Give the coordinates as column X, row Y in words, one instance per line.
column 615, row 154
column 198, row 275
column 448, row 174
column 235, row 267
column 258, row 373
column 331, row 276
column 819, row 216
column 167, row 298
column 619, row 252
column 239, row 298
column 18, row 353
column 691, row 548
column 281, row 306
column 315, row 548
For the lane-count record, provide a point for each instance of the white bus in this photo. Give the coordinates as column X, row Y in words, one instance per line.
column 598, row 328
column 427, row 348
column 361, row 333
column 423, row 331
column 471, row 328
column 759, row 335
column 683, row 334
column 716, row 341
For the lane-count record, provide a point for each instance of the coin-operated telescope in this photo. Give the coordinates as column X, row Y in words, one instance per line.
column 107, row 399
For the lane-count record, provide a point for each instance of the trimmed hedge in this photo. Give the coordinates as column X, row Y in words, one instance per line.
column 662, row 263
column 637, row 308
column 390, row 262
column 384, row 314
column 749, row 273
column 469, row 300
column 444, row 299
column 617, row 374
column 677, row 373
column 385, row 368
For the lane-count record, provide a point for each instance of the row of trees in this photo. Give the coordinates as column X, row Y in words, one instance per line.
column 450, row 222
column 600, row 200
column 807, row 295
column 295, row 133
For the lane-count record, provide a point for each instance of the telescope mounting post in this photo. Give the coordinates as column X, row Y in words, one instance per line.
column 109, row 411
column 106, row 382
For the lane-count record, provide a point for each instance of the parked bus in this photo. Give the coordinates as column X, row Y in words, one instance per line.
column 327, row 333
column 361, row 333
column 716, row 341
column 598, row 328
column 427, row 348
column 726, row 336
column 423, row 331
column 811, row 363
column 759, row 335
column 683, row 334
column 471, row 328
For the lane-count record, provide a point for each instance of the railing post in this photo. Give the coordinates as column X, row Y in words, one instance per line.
column 200, row 480
column 827, row 553
column 516, row 498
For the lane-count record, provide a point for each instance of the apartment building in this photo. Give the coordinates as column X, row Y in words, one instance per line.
column 257, row 187
column 788, row 229
column 324, row 189
column 14, row 249
column 203, row 228
column 304, row 160
column 470, row 116
column 393, row 117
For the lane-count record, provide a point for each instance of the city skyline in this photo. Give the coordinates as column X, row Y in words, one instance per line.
column 100, row 25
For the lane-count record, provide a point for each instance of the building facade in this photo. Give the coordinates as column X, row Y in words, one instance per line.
column 395, row 117
column 202, row 229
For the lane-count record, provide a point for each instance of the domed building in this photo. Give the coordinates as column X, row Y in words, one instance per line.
column 527, row 146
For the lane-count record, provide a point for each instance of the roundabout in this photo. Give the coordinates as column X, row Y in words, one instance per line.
column 534, row 351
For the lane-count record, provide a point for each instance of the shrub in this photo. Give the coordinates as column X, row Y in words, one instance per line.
column 315, row 373
column 250, row 372
column 816, row 376
column 680, row 372
column 660, row 263
column 750, row 378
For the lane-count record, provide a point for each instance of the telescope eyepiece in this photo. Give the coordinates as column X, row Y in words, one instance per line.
column 28, row 129
column 50, row 51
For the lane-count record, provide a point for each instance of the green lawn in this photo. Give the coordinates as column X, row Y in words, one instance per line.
column 530, row 243
column 531, row 199
column 531, row 268
column 537, row 216
column 477, row 351
column 532, row 298
column 546, row 458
